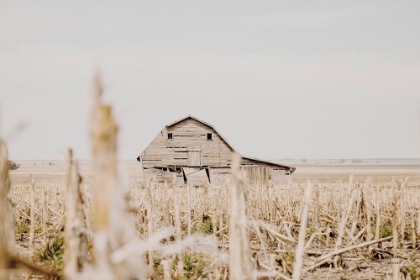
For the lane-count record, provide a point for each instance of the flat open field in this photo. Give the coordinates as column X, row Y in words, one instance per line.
column 328, row 173
column 383, row 173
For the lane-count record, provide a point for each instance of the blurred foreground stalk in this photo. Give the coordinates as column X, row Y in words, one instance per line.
column 6, row 222
column 240, row 264
column 103, row 139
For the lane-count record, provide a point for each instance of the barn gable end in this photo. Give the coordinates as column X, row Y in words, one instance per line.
column 177, row 141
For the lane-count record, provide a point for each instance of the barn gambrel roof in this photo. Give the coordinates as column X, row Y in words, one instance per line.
column 292, row 169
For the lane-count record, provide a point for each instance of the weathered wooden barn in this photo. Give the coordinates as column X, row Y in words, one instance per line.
column 194, row 150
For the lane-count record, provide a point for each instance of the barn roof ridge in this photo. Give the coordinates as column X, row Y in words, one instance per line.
column 189, row 117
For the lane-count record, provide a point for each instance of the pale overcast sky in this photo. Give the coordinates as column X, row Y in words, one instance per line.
column 279, row 79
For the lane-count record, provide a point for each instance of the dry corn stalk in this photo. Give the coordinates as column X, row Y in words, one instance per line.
column 103, row 137
column 75, row 239
column 33, row 221
column 6, row 223
column 8, row 258
column 150, row 222
column 297, row 269
column 240, row 265
column 113, row 226
column 180, row 268
column 44, row 217
column 395, row 224
column 378, row 212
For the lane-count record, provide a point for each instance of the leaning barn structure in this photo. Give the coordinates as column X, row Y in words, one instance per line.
column 195, row 151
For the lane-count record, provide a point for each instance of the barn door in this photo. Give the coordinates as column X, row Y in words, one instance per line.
column 194, row 157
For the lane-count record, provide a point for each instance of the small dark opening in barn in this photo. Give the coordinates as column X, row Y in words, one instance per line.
column 169, row 135
column 209, row 136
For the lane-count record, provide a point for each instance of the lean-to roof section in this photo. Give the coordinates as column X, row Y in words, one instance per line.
column 291, row 168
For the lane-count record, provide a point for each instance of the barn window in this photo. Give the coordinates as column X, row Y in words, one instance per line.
column 169, row 135
column 209, row 136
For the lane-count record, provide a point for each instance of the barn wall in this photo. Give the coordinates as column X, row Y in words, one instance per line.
column 218, row 176
column 159, row 176
column 256, row 175
column 188, row 134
